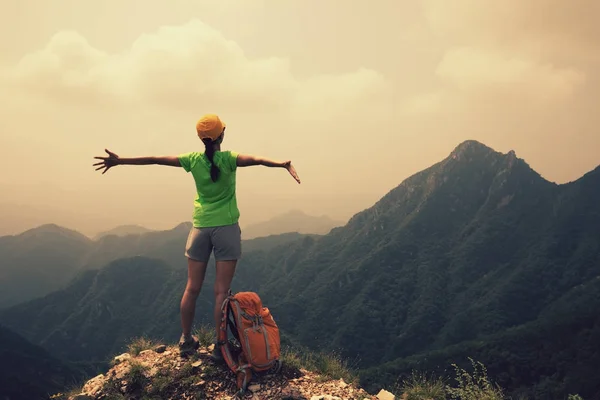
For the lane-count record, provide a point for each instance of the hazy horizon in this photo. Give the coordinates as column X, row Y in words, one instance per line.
column 360, row 100
column 275, row 222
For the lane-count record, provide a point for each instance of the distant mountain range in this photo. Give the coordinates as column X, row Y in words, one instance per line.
column 477, row 256
column 45, row 259
column 123, row 230
column 294, row 221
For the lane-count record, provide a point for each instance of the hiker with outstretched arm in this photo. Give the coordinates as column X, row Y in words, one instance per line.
column 215, row 218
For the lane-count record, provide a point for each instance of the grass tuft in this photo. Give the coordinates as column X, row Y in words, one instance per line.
column 329, row 365
column 140, row 344
column 420, row 387
column 206, row 335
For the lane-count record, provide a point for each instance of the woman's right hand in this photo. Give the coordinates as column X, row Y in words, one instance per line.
column 107, row 162
column 290, row 168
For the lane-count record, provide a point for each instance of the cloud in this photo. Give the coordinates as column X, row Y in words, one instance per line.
column 506, row 56
column 67, row 68
column 185, row 67
column 479, row 71
column 514, row 21
column 514, row 74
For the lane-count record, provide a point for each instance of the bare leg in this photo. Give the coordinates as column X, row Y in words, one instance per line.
column 225, row 272
column 196, row 272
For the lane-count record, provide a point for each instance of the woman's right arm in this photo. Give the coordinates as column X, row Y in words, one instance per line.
column 172, row 161
column 245, row 160
column 113, row 160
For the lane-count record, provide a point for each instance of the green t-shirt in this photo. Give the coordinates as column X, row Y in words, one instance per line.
column 215, row 203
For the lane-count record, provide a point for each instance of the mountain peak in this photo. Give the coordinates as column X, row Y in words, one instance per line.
column 155, row 370
column 50, row 228
column 54, row 229
column 123, row 230
column 472, row 152
column 472, row 146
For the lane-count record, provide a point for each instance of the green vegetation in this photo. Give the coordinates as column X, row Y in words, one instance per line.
column 329, row 365
column 419, row 387
column 140, row 344
column 206, row 335
column 475, row 385
column 136, row 377
column 166, row 382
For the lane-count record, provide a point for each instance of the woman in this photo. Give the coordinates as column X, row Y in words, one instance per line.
column 215, row 218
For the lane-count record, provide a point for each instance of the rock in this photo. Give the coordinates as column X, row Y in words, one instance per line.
column 325, row 397
column 197, row 364
column 122, row 357
column 145, row 352
column 385, row 395
column 254, row 388
column 290, row 393
column 342, row 384
column 211, row 348
column 94, row 385
column 160, row 348
column 168, row 353
column 120, row 372
column 81, row 396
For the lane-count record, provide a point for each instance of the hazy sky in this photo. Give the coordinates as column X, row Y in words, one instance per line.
column 358, row 94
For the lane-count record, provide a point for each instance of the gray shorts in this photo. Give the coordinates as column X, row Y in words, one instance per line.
column 226, row 241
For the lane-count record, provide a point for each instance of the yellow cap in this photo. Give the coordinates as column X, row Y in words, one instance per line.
column 209, row 126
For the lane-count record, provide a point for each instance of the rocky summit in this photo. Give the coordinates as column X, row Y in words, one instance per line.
column 161, row 373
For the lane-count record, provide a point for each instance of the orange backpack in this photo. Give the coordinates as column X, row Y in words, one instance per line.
column 257, row 348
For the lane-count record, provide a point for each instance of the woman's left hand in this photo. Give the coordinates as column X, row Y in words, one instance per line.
column 288, row 165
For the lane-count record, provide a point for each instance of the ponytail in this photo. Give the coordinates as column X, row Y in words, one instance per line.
column 210, row 153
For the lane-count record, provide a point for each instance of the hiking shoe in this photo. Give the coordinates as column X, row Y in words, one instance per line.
column 187, row 347
column 216, row 354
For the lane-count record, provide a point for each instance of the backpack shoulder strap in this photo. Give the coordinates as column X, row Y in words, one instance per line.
column 223, row 340
column 240, row 366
